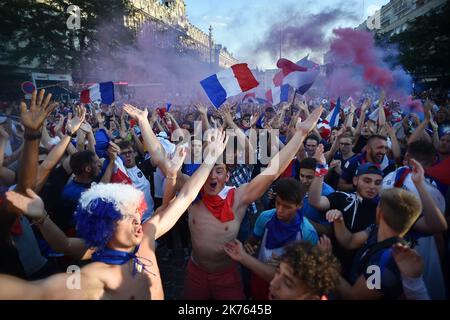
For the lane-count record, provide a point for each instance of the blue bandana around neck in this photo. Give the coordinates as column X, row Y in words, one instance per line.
column 280, row 233
column 116, row 257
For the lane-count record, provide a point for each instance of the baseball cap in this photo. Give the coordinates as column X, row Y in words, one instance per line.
column 368, row 168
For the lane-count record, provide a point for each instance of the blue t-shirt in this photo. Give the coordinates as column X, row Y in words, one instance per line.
column 306, row 228
column 70, row 196
column 190, row 168
column 313, row 214
column 101, row 143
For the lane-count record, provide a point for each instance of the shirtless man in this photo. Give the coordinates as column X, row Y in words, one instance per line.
column 215, row 219
column 108, row 219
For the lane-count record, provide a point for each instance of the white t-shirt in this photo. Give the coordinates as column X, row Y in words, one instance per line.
column 142, row 183
column 426, row 247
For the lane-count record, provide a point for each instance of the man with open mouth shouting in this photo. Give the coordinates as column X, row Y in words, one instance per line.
column 215, row 218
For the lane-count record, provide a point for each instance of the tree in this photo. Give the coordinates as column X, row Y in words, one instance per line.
column 425, row 45
column 35, row 32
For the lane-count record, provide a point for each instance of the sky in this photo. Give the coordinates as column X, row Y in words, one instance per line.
column 240, row 25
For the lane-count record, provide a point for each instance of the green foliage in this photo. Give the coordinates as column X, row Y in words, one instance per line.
column 35, row 33
column 425, row 46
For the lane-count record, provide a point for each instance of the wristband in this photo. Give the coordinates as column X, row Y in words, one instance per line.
column 32, row 136
column 72, row 135
column 321, row 170
column 40, row 221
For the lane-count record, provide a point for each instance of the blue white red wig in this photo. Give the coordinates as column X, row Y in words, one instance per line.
column 100, row 207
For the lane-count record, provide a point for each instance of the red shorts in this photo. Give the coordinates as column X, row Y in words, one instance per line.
column 259, row 287
column 223, row 285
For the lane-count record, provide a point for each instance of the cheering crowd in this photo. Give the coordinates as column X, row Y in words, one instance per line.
column 357, row 210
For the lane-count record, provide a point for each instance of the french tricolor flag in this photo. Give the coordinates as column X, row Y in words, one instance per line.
column 119, row 174
column 333, row 117
column 228, row 83
column 278, row 94
column 300, row 75
column 103, row 91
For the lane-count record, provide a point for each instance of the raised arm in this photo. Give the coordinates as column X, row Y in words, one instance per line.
column 435, row 128
column 241, row 137
column 396, row 151
column 255, row 189
column 335, row 146
column 7, row 176
column 315, row 191
column 172, row 167
column 433, row 220
column 174, row 121
column 151, row 142
column 32, row 120
column 349, row 120
column 4, row 137
column 87, row 129
column 33, row 207
column 137, row 142
column 203, row 109
column 113, row 151
column 361, row 120
column 161, row 223
column 420, row 130
column 123, row 126
column 58, row 151
column 381, row 114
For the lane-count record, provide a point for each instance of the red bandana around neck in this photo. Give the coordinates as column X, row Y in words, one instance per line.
column 220, row 205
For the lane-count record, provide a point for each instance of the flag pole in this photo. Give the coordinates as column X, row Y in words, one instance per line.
column 281, row 40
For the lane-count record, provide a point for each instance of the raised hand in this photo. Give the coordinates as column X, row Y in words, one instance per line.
column 31, row 205
column 135, row 113
column 335, row 164
column 382, row 98
column 427, row 109
column 319, row 156
column 217, row 141
column 408, row 260
column 418, row 174
column 287, row 104
column 366, row 104
column 60, row 124
column 40, row 108
column 389, row 130
column 99, row 117
column 324, row 244
column 234, row 250
column 433, row 123
column 341, row 132
column 113, row 151
column 86, row 127
column 225, row 113
column 254, row 118
column 310, row 123
column 334, row 216
column 73, row 124
column 173, row 164
column 202, row 108
column 154, row 117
